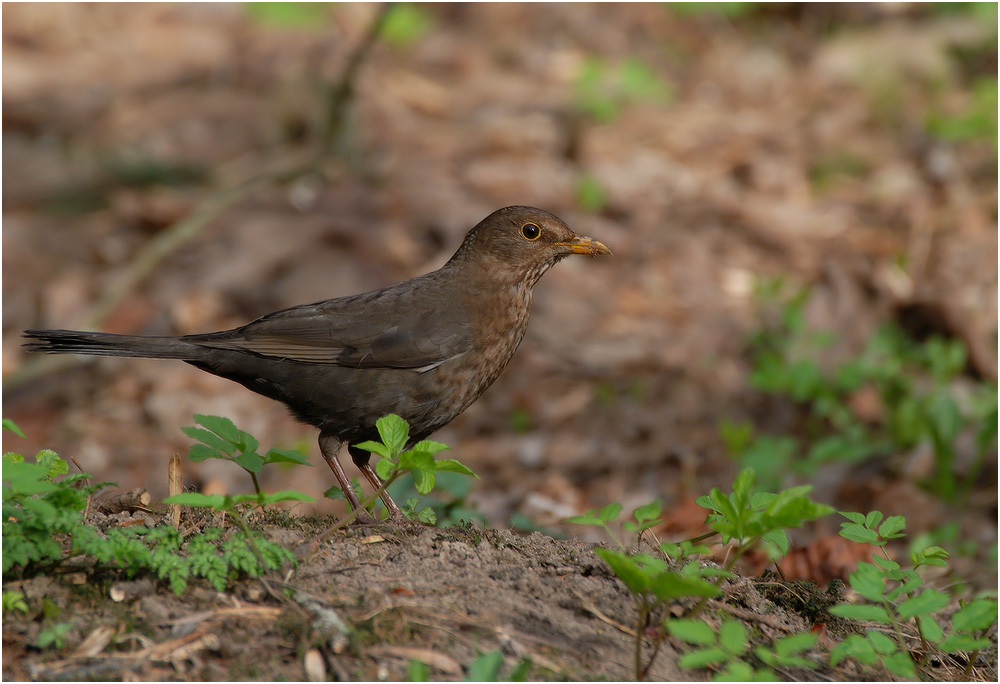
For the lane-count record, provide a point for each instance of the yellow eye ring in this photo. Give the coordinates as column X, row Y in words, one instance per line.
column 531, row 231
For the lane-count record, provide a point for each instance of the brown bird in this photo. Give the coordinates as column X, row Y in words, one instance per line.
column 424, row 349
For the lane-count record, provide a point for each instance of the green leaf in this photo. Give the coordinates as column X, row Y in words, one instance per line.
column 855, row 646
column 283, row 495
column 702, row 657
column 695, row 632
column 627, row 569
column 221, row 426
column 892, row 527
column 648, row 512
column 795, row 643
column 287, row 456
column 881, row 643
column 430, row 446
column 901, row 665
column 8, row 424
column 376, row 448
column 610, row 512
column 423, row 480
column 975, row 617
column 733, row 637
column 931, row 630
column 384, row 468
column 452, row 466
column 215, row 501
column 209, row 438
column 963, row 642
column 417, row 460
column 250, row 461
column 873, row 519
column 861, row 612
column 669, row 585
column 202, row 452
column 585, row 520
column 923, row 604
column 856, row 518
column 868, row 581
column 394, row 432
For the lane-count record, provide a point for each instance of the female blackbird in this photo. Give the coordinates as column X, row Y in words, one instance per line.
column 424, row 349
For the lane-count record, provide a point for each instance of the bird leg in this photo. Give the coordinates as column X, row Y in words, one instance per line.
column 395, row 514
column 329, row 446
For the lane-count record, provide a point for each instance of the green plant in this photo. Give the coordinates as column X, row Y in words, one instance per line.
column 13, row 601
column 54, row 635
column 897, row 598
column 918, row 401
column 447, row 505
column 590, row 195
column 405, row 24
column 43, row 526
column 602, row 91
column 394, row 460
column 744, row 518
column 219, row 437
column 727, row 648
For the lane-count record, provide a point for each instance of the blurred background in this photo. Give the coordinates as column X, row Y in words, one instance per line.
column 802, row 202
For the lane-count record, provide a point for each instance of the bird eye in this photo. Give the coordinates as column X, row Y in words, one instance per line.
column 530, row 231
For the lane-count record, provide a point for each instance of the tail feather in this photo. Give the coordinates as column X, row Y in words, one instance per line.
column 108, row 344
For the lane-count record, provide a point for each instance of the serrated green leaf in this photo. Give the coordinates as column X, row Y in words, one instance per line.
column 417, row 460
column 702, row 657
column 885, row 563
column 733, row 637
column 394, row 432
column 648, row 512
column 384, row 468
column 376, row 448
column 924, row 603
column 873, row 519
column 610, row 512
column 931, row 630
column 221, row 426
column 868, row 581
column 857, row 518
column 250, row 461
column 215, row 501
column 585, row 520
column 284, row 495
column 892, row 527
column 795, row 643
column 201, row 452
column 963, row 642
column 881, row 643
column 627, row 570
column 901, row 665
column 975, row 617
column 695, row 632
column 669, row 585
column 855, row 646
column 209, row 438
column 8, row 424
column 430, row 446
column 287, row 456
column 861, row 611
column 450, row 465
column 423, row 481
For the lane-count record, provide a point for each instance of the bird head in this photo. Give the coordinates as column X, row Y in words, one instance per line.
column 521, row 243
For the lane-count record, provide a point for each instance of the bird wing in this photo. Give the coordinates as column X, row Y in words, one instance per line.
column 365, row 331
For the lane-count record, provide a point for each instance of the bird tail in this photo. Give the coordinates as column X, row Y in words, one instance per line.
column 107, row 344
